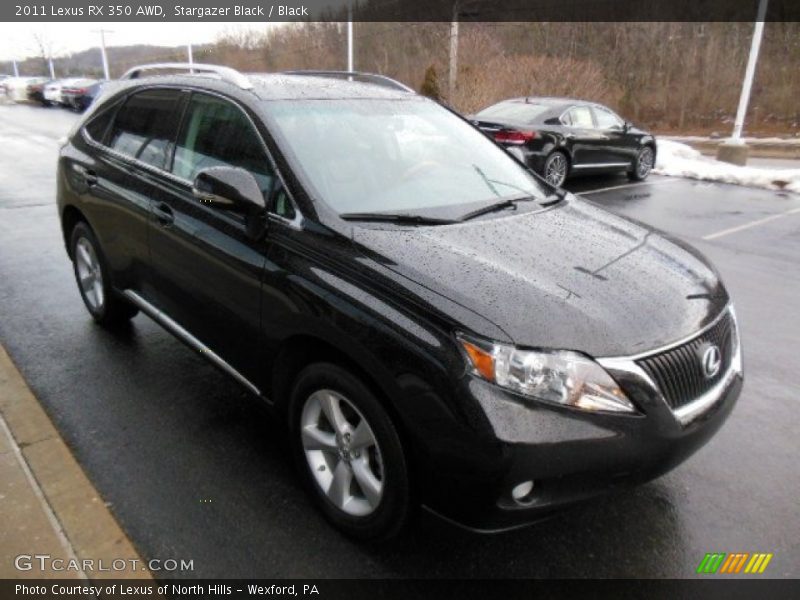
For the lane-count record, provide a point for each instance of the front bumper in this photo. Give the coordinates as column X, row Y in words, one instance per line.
column 571, row 455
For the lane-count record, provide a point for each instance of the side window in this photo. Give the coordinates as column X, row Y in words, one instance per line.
column 282, row 206
column 606, row 119
column 97, row 127
column 581, row 116
column 145, row 126
column 217, row 133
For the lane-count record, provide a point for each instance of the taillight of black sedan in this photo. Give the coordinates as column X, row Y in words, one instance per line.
column 560, row 137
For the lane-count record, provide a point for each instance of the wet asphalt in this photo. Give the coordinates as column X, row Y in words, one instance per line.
column 194, row 468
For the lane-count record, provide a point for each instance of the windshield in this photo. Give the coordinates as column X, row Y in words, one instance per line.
column 408, row 156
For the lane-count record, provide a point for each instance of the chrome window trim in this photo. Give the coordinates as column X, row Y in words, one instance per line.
column 697, row 407
column 295, row 223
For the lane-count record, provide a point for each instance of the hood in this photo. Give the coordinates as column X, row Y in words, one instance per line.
column 570, row 277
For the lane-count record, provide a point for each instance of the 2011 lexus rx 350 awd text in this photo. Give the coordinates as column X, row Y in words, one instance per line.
column 437, row 326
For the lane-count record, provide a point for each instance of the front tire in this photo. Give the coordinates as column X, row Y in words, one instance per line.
column 645, row 160
column 349, row 453
column 556, row 169
column 92, row 276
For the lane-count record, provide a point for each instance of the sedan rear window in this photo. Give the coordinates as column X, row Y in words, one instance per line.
column 370, row 155
column 516, row 112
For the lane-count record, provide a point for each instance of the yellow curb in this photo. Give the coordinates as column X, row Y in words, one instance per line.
column 57, row 511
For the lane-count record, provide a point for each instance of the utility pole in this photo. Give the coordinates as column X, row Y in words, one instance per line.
column 734, row 150
column 453, row 66
column 350, row 36
column 103, row 33
column 190, row 56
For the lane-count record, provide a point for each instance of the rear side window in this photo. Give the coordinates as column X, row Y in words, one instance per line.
column 580, row 116
column 217, row 133
column 97, row 127
column 145, row 126
column 521, row 112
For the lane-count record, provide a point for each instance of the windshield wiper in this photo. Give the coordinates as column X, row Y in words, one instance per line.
column 396, row 218
column 557, row 196
column 503, row 204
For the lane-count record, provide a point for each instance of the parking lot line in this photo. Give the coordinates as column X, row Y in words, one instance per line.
column 628, row 185
column 756, row 223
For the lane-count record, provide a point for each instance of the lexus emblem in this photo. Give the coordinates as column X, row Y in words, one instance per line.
column 711, row 361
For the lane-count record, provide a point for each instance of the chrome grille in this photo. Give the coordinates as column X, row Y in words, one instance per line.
column 678, row 372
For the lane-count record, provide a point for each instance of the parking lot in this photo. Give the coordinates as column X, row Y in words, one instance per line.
column 194, row 468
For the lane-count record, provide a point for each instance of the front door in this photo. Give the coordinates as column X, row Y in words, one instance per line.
column 206, row 268
column 618, row 150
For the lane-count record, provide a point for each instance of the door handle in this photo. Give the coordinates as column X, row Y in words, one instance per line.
column 164, row 214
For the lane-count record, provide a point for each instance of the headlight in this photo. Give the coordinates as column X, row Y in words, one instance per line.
column 561, row 377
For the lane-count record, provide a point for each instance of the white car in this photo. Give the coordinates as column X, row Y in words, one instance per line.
column 52, row 91
column 17, row 87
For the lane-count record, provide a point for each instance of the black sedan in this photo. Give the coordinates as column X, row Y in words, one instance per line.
column 81, row 93
column 559, row 137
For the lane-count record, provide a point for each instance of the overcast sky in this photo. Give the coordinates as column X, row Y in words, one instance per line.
column 17, row 39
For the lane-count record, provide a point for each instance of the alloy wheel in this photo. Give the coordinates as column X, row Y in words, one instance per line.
column 555, row 169
column 342, row 453
column 90, row 275
column 646, row 160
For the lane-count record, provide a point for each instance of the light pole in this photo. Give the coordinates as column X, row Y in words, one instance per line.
column 453, row 65
column 103, row 33
column 749, row 74
column 16, row 70
column 350, row 37
column 734, row 150
column 190, row 56
column 52, row 70
column 460, row 9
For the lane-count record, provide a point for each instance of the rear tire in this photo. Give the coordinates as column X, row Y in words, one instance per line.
column 556, row 168
column 645, row 160
column 349, row 453
column 92, row 275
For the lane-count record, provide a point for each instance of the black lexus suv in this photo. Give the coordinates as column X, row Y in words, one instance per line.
column 436, row 324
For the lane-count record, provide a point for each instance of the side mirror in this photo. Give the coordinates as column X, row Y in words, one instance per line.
column 626, row 126
column 231, row 188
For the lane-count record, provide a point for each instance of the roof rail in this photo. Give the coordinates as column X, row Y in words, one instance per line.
column 224, row 73
column 381, row 80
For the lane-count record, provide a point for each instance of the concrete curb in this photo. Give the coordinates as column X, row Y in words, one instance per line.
column 47, row 504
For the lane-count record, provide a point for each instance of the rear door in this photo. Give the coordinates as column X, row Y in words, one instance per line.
column 129, row 141
column 206, row 268
column 582, row 137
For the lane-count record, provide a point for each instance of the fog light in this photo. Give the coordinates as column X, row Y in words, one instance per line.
column 522, row 492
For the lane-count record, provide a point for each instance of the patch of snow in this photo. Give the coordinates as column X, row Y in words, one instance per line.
column 679, row 160
column 750, row 141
